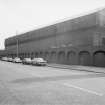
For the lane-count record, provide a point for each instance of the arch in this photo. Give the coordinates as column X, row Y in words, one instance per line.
column 61, row 57
column 32, row 54
column 53, row 57
column 84, row 58
column 71, row 57
column 47, row 56
column 99, row 58
column 41, row 54
column 21, row 56
column 15, row 55
column 25, row 55
column 36, row 54
column 28, row 55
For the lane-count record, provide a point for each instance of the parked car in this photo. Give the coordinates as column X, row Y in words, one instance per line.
column 10, row 59
column 4, row 59
column 39, row 62
column 17, row 60
column 27, row 61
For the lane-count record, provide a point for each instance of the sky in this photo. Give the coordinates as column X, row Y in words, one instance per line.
column 19, row 16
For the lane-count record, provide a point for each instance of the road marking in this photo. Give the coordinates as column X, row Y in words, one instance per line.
column 83, row 89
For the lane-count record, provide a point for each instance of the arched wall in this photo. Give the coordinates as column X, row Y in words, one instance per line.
column 71, row 56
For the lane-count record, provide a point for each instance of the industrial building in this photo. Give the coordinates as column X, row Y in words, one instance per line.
column 77, row 41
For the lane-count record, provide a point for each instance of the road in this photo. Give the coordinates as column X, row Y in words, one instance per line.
column 33, row 85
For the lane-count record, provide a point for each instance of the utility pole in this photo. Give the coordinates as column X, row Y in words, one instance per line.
column 55, row 36
column 17, row 46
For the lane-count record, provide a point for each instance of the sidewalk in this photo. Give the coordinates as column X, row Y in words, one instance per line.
column 80, row 68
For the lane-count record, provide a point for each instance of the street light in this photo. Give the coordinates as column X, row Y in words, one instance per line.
column 17, row 45
column 55, row 36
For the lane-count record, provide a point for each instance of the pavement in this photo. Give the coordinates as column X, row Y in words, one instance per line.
column 35, row 85
column 79, row 68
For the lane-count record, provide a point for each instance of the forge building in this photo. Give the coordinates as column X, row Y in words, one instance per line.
column 77, row 41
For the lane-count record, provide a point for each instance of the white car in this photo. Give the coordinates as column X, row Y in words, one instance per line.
column 17, row 60
column 39, row 62
column 27, row 61
column 4, row 59
column 10, row 59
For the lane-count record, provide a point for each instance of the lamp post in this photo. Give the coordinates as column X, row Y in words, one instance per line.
column 17, row 46
column 55, row 36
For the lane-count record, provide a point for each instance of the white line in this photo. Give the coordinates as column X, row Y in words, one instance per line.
column 83, row 89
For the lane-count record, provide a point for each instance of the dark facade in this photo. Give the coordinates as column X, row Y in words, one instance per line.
column 78, row 41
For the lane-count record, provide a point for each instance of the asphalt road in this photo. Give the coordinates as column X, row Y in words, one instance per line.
column 33, row 85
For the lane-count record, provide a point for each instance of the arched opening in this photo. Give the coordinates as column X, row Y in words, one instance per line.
column 84, row 58
column 99, row 58
column 41, row 54
column 53, row 57
column 46, row 56
column 32, row 55
column 28, row 55
column 61, row 57
column 36, row 54
column 21, row 56
column 15, row 55
column 25, row 55
column 71, row 58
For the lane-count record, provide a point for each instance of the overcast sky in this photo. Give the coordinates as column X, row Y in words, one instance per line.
column 25, row 15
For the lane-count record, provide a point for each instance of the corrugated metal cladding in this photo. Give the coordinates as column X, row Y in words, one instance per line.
column 78, row 41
